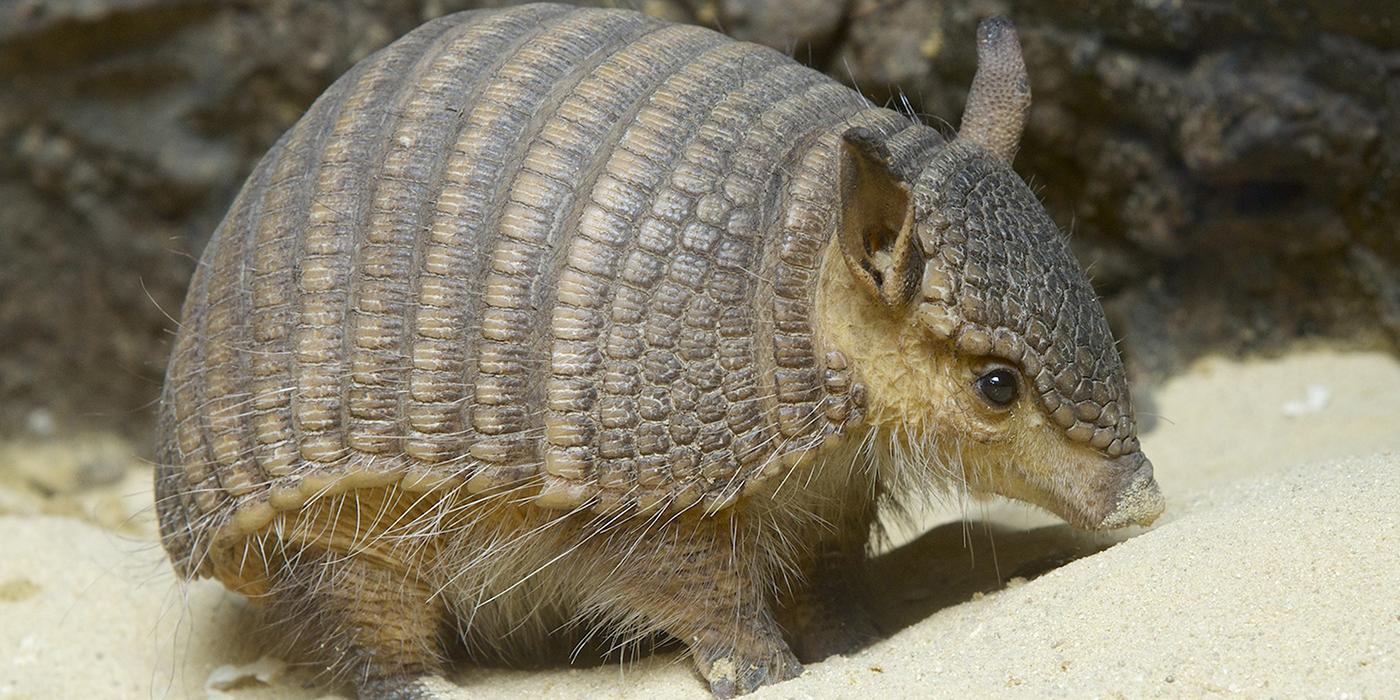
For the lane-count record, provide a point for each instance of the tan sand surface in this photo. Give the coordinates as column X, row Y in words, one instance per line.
column 1275, row 573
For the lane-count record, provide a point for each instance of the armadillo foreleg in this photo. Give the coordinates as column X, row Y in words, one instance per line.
column 706, row 586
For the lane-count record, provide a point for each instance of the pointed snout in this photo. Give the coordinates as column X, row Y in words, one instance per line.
column 1099, row 493
column 1138, row 499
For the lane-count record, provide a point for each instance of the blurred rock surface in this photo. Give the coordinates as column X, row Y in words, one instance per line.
column 1229, row 171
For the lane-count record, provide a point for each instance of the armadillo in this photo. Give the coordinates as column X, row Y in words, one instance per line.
column 549, row 317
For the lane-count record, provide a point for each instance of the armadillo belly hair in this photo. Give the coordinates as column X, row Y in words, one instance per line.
column 522, row 583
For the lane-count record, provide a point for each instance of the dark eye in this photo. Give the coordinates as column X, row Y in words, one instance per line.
column 998, row 387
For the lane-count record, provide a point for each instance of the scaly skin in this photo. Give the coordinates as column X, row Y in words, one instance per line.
column 548, row 314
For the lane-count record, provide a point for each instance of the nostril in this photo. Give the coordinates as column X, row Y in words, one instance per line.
column 1132, row 465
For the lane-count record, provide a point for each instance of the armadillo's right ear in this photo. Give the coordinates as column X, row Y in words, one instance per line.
column 877, row 219
column 1001, row 93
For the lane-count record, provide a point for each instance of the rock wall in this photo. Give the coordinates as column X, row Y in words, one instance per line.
column 1229, row 171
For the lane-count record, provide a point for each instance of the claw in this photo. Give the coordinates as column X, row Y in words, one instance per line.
column 731, row 676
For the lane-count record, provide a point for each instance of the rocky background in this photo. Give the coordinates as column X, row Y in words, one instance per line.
column 1230, row 171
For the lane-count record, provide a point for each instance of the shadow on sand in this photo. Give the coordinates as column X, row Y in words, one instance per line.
column 957, row 561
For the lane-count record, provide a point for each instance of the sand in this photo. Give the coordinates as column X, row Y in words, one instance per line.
column 1274, row 573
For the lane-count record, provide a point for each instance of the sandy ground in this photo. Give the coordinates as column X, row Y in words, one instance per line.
column 1275, row 573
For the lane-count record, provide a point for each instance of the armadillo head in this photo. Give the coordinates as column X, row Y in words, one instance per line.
column 1003, row 351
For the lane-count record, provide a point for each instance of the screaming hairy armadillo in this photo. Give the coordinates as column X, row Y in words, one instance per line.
column 550, row 315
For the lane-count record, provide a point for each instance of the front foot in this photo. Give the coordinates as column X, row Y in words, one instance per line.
column 426, row 687
column 732, row 673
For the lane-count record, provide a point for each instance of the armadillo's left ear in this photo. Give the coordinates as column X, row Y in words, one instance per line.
column 877, row 219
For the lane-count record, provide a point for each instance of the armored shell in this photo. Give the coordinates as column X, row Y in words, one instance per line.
column 543, row 247
column 569, row 254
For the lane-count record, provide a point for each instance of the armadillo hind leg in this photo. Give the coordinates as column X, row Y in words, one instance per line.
column 363, row 623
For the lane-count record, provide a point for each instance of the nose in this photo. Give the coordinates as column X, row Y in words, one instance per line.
column 1139, row 500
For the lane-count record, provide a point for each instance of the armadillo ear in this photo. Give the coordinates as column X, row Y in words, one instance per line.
column 1001, row 93
column 877, row 219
